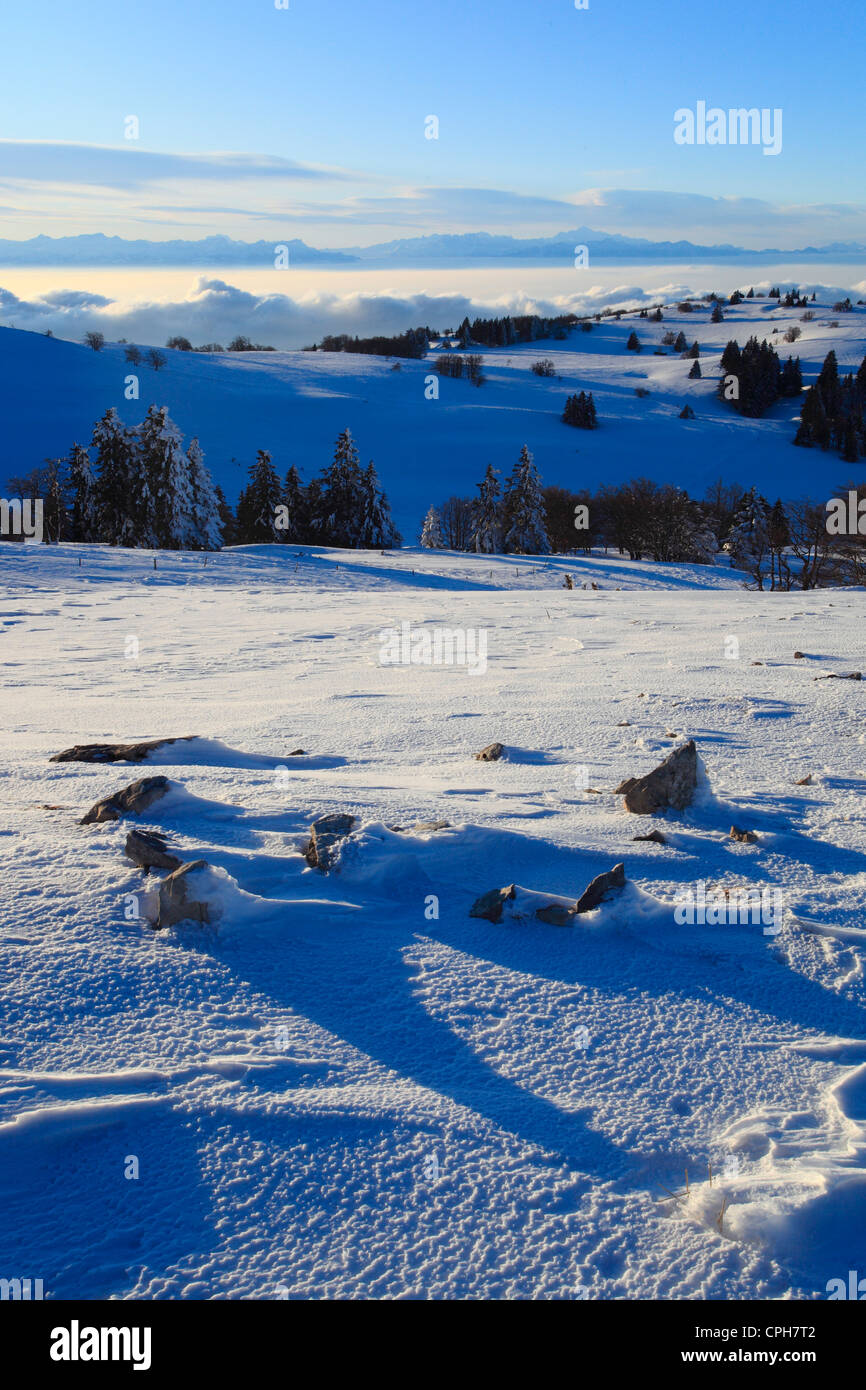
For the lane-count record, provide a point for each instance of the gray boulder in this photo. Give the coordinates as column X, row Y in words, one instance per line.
column 671, row 784
column 600, row 888
column 491, row 754
column 115, row 752
column 326, row 835
column 131, row 801
column 490, row 905
column 149, row 851
column 181, row 898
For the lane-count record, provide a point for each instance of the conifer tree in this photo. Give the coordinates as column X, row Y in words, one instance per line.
column 111, row 441
column 291, row 524
column 814, row 427
column 84, row 518
column 791, row 378
column 205, row 531
column 829, row 386
column 228, row 522
column 431, row 531
column 524, row 518
column 258, row 503
column 342, row 500
column 487, row 517
column 748, row 541
column 166, row 469
column 376, row 530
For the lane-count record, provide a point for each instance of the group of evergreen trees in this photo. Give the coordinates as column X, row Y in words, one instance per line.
column 833, row 411
column 415, row 342
column 136, row 485
column 580, row 411
column 344, row 506
column 510, row 521
column 640, row 518
column 761, row 378
column 519, row 328
column 791, row 546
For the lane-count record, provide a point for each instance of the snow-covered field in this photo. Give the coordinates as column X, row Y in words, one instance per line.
column 295, row 403
column 332, row 1092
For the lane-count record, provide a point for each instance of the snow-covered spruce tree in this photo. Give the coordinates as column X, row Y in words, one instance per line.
column 525, row 528
column 377, row 530
column 228, row 521
column 115, row 481
column 84, row 517
column 341, row 504
column 167, row 470
column 701, row 542
column 55, row 515
column 431, row 531
column 291, row 524
column 206, row 530
column 748, row 542
column 258, row 503
column 487, row 519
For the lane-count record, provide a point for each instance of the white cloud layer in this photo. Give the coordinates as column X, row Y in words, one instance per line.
column 215, row 311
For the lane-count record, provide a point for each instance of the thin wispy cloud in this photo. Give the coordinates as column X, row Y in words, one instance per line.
column 117, row 189
column 122, row 167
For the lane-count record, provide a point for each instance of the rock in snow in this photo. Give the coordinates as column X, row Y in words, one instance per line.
column 491, row 754
column 148, row 850
column 326, row 834
column 596, row 892
column 131, row 801
column 115, row 752
column 672, row 783
column 490, row 905
column 557, row 912
column 177, row 897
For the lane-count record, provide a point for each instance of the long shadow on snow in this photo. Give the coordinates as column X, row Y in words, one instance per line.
column 357, row 984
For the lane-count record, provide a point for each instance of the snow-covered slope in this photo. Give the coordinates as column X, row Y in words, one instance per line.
column 295, row 403
column 334, row 1093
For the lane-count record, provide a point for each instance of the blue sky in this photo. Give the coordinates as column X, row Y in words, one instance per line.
column 549, row 117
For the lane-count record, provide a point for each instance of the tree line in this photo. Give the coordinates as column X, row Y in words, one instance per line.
column 641, row 518
column 833, row 411
column 134, row 485
column 138, row 486
column 779, row 546
column 345, row 506
column 492, row 332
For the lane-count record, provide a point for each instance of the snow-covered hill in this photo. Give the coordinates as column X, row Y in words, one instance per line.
column 334, row 1092
column 295, row 403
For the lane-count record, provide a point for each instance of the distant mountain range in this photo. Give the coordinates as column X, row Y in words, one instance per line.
column 601, row 246
column 96, row 249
